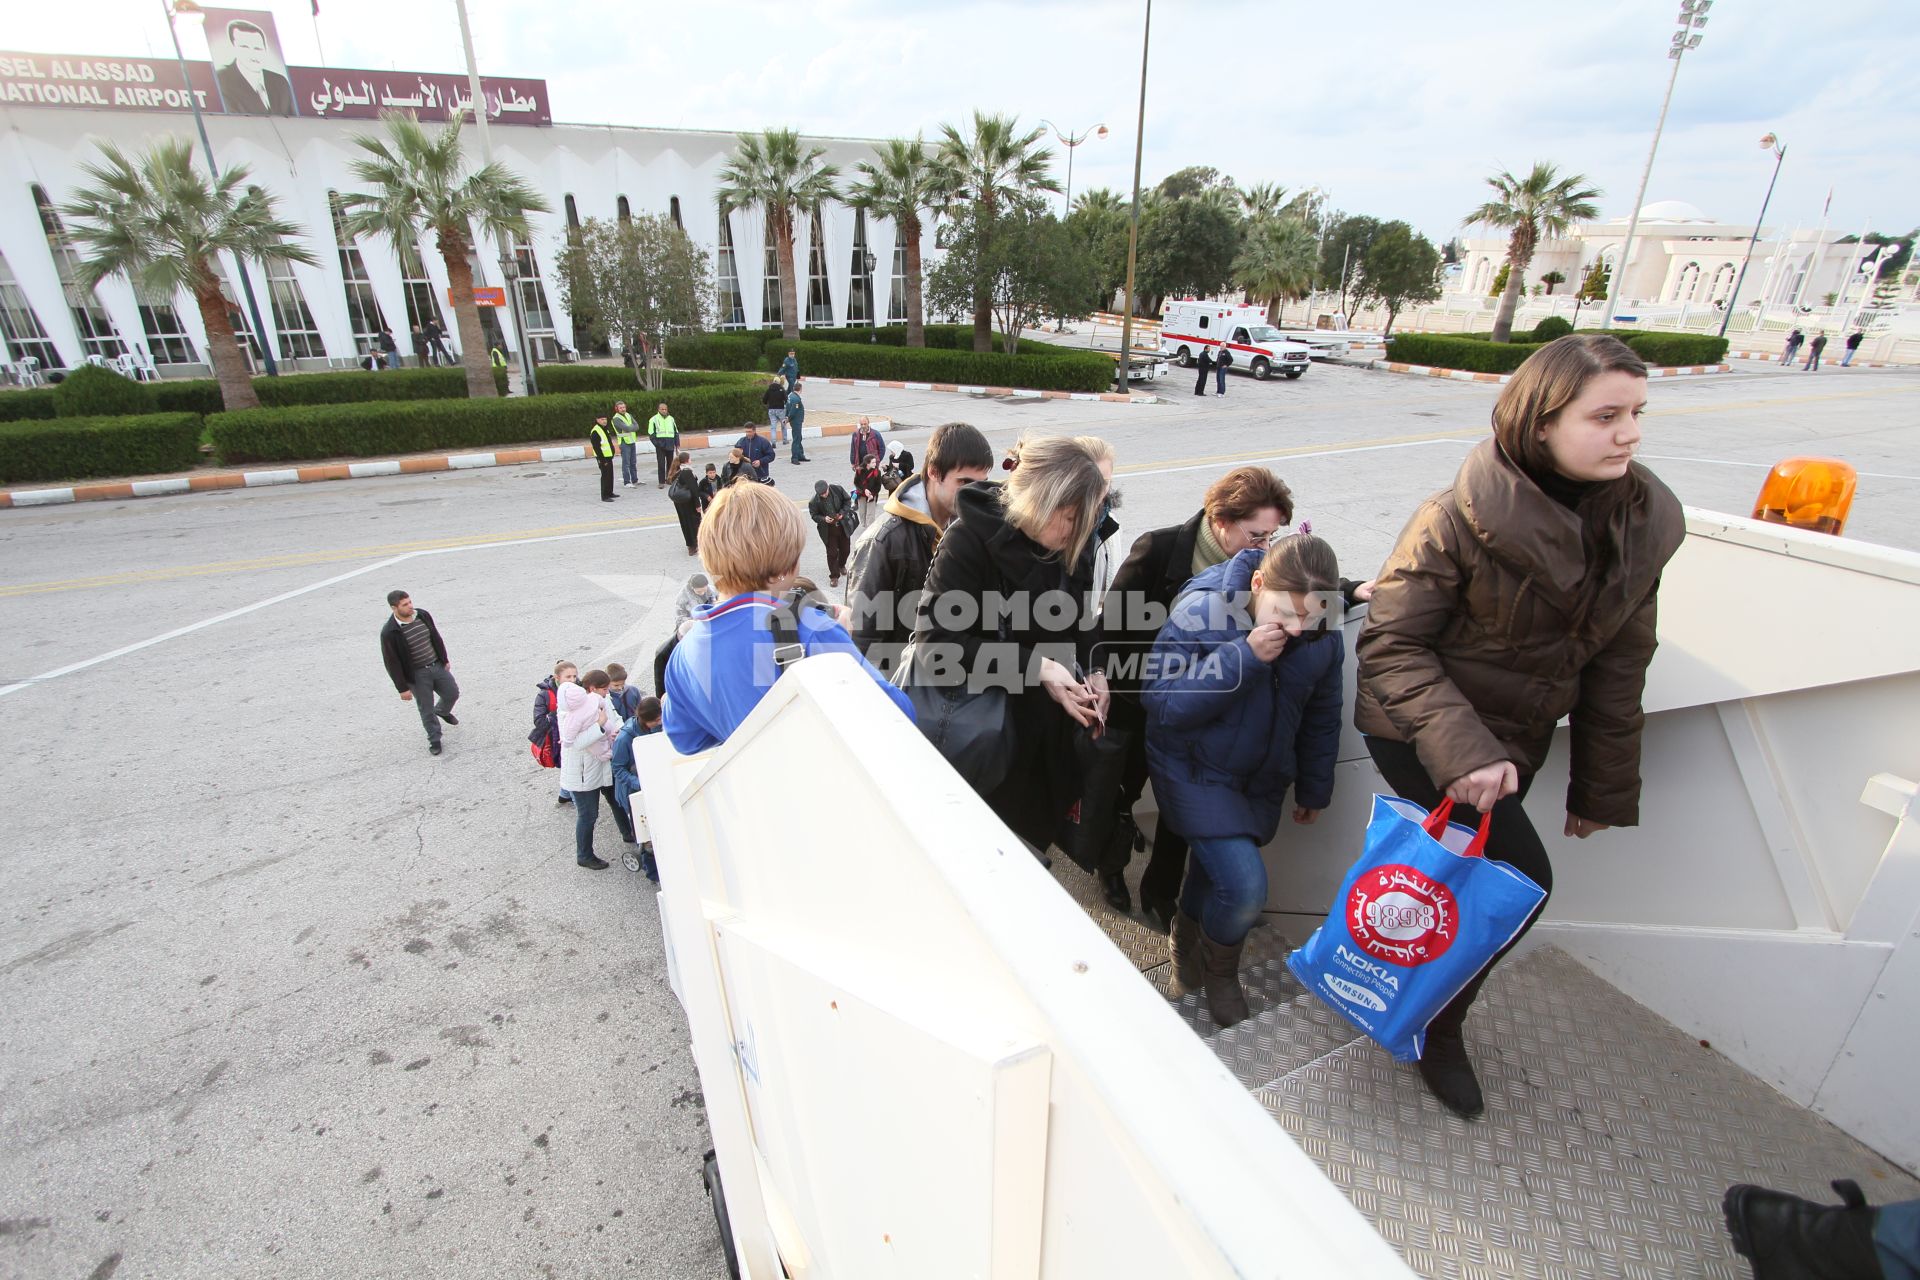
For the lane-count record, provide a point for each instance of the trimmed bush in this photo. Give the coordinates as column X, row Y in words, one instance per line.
column 618, row 380
column 1552, row 327
column 740, row 352
column 92, row 392
column 1444, row 351
column 76, row 448
column 352, row 386
column 306, row 432
column 1674, row 349
column 29, row 403
column 1047, row 368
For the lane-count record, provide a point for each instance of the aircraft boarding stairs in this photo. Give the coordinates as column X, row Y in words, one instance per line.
column 920, row 1059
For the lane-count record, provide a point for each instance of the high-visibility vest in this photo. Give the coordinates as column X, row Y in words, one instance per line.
column 499, row 358
column 662, row 427
column 629, row 429
column 599, row 441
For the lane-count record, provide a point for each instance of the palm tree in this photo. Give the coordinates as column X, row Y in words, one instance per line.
column 1540, row 205
column 417, row 182
column 996, row 166
column 1263, row 201
column 1099, row 202
column 899, row 187
column 1276, row 262
column 774, row 171
column 158, row 222
column 1551, row 279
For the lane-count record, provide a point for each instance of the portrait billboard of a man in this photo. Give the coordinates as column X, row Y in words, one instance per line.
column 245, row 49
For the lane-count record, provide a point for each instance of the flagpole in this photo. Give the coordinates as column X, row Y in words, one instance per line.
column 318, row 43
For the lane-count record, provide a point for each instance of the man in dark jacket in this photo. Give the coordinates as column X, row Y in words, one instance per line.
column 1206, row 367
column 890, row 561
column 758, row 452
column 419, row 347
column 416, row 659
column 436, row 342
column 389, row 349
column 830, row 509
column 774, row 398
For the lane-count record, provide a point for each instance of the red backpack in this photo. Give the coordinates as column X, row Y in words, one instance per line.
column 541, row 741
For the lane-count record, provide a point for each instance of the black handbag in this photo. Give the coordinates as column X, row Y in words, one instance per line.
column 1095, row 831
column 973, row 729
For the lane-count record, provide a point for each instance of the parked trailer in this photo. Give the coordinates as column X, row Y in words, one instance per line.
column 921, row 1058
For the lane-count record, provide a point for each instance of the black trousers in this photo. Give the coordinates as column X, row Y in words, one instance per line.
column 1200, row 383
column 1167, row 864
column 606, row 478
column 1510, row 839
column 689, row 513
column 838, row 543
column 664, row 447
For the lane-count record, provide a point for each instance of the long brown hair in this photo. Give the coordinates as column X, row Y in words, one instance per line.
column 1551, row 379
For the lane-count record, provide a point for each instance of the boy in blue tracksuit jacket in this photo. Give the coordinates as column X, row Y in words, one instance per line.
column 1243, row 705
column 626, row 782
column 751, row 542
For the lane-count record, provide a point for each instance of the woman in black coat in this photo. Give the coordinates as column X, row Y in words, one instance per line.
column 1241, row 509
column 1001, row 590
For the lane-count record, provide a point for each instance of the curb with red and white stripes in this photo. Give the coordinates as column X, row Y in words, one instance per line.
column 1773, row 357
column 214, row 481
column 1017, row 393
column 1500, row 379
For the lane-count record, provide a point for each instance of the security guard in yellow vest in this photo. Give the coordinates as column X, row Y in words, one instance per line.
column 665, row 434
column 600, row 449
column 629, row 432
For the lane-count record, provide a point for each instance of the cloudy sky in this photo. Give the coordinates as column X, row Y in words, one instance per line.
column 1397, row 108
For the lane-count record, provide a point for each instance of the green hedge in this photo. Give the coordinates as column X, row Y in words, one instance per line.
column 306, row 432
column 1445, row 351
column 93, row 392
column 736, row 351
column 1046, row 368
column 351, row 386
column 1675, row 348
column 28, row 404
column 618, row 380
column 76, row 448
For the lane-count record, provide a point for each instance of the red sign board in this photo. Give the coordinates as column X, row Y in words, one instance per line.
column 484, row 295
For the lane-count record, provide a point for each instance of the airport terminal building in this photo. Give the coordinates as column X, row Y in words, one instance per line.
column 54, row 108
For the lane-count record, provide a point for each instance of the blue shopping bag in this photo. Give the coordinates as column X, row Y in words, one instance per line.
column 1418, row 916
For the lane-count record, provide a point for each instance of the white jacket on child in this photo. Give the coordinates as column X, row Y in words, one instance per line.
column 585, row 746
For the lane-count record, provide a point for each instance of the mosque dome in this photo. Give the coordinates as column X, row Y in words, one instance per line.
column 1670, row 211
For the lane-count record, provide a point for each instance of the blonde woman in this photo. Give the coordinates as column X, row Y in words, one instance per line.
column 1006, row 597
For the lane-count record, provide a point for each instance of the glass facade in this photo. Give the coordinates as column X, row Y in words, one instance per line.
column 897, row 294
column 98, row 337
column 423, row 304
column 363, row 309
column 167, row 340
column 733, row 309
column 292, row 318
column 20, row 326
column 533, row 304
column 859, row 291
column 771, row 315
column 819, row 290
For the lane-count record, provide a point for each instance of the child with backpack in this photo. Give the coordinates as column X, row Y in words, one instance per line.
column 544, row 741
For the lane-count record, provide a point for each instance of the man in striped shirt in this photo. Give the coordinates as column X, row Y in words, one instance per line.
column 416, row 661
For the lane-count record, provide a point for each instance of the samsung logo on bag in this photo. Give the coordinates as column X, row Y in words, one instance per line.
column 1354, row 994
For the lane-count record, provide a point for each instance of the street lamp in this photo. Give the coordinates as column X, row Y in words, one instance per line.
column 1769, row 143
column 1693, row 15
column 1133, row 213
column 191, row 11
column 1070, row 141
column 873, row 312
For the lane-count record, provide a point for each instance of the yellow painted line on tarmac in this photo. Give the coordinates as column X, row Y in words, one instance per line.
column 304, row 559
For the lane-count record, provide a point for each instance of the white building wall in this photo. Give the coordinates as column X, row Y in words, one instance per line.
column 300, row 160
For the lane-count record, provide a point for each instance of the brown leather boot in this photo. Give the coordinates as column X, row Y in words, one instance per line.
column 1225, row 999
column 1183, row 947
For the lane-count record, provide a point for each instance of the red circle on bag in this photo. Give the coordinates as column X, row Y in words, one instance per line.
column 1402, row 916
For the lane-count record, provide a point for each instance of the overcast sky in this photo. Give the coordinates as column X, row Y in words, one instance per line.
column 1397, row 108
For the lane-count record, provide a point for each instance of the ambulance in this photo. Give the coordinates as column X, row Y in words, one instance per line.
column 1187, row 328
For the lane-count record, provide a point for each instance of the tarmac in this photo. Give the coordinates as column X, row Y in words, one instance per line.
column 289, row 997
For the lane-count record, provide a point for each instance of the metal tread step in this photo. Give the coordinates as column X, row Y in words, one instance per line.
column 1609, row 1138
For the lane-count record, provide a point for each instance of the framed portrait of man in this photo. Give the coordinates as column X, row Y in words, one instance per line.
column 247, row 64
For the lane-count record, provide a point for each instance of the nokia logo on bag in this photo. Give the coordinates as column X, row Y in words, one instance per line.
column 1399, row 915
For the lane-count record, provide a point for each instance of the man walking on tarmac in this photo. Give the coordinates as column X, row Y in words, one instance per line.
column 416, row 659
column 629, row 432
column 600, row 447
column 665, row 434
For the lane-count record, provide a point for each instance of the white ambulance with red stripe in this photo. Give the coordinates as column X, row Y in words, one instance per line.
column 1187, row 328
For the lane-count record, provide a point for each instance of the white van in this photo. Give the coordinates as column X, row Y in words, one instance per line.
column 1187, row 328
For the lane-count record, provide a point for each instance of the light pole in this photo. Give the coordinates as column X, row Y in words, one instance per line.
column 1693, row 13
column 1133, row 212
column 1779, row 149
column 509, row 263
column 188, row 9
column 868, row 261
column 1070, row 141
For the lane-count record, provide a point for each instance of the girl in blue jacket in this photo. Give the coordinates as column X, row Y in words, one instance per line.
column 1243, row 703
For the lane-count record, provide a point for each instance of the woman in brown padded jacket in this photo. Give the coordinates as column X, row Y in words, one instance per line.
column 1523, row 593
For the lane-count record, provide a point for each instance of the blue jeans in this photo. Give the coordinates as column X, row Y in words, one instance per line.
column 586, row 811
column 629, row 462
column 1226, row 886
column 1220, row 379
column 776, row 424
column 1896, row 1238
column 1847, row 359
